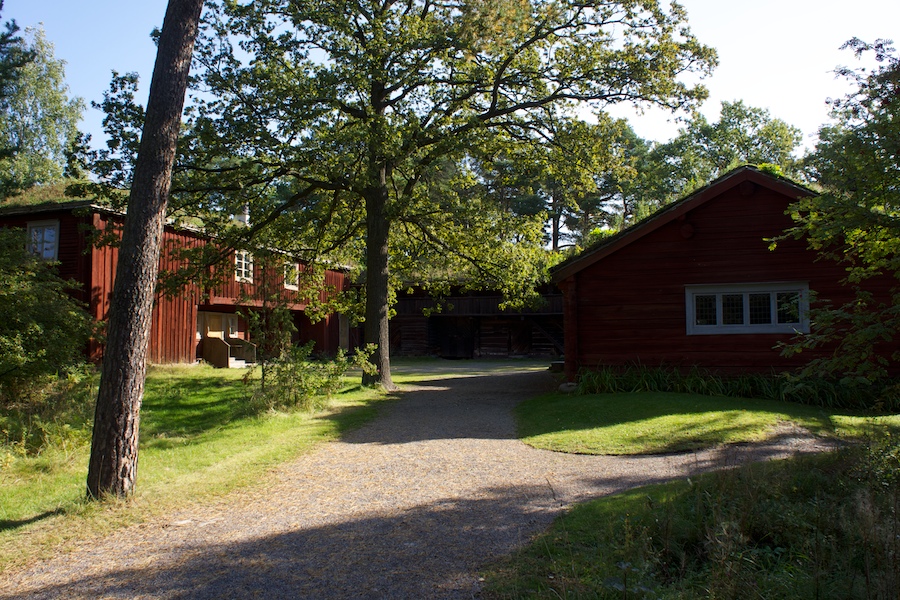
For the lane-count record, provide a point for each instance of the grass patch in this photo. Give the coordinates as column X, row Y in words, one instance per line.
column 814, row 527
column 198, row 440
column 658, row 422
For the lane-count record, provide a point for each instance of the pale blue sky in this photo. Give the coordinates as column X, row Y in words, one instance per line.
column 774, row 54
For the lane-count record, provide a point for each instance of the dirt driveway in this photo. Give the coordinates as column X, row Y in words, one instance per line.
column 410, row 506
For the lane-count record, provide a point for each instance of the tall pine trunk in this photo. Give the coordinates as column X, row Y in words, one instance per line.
column 114, row 445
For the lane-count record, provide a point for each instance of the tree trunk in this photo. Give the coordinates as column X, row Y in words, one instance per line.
column 555, row 217
column 114, row 445
column 377, row 325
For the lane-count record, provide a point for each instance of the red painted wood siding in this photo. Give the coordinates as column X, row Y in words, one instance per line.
column 174, row 322
column 630, row 306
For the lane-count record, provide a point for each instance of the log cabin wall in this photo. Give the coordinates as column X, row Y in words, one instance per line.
column 231, row 295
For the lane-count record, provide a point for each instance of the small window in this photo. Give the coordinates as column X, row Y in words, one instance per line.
column 43, row 239
column 747, row 308
column 243, row 266
column 291, row 276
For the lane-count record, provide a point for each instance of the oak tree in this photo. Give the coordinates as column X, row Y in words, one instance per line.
column 349, row 125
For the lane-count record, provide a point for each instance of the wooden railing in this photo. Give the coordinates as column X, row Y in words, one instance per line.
column 219, row 352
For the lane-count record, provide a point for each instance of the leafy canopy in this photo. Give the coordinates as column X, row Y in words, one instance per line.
column 348, row 129
column 856, row 219
column 38, row 121
column 702, row 151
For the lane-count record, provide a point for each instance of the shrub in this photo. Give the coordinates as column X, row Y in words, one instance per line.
column 811, row 527
column 297, row 380
column 43, row 330
column 48, row 411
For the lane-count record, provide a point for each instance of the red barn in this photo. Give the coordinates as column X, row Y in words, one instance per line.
column 696, row 284
column 195, row 324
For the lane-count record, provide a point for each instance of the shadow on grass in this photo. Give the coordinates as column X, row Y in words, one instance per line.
column 190, row 405
column 11, row 524
column 181, row 408
column 662, row 421
column 351, row 548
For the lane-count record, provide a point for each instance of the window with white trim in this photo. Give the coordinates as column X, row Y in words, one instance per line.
column 243, row 266
column 291, row 276
column 747, row 308
column 43, row 239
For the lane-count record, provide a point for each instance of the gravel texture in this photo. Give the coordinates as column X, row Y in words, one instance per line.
column 410, row 506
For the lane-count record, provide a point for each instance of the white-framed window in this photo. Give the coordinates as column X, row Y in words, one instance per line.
column 243, row 266
column 43, row 239
column 747, row 308
column 291, row 276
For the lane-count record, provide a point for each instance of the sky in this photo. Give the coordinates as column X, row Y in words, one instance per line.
column 773, row 54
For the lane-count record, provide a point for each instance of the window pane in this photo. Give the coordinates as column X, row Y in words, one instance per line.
column 732, row 309
column 291, row 275
column 760, row 309
column 43, row 241
column 243, row 266
column 705, row 310
column 788, row 307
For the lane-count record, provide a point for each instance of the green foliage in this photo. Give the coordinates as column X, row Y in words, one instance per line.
column 348, row 128
column 111, row 166
column 569, row 174
column 821, row 527
column 883, row 396
column 855, row 221
column 47, row 411
column 296, row 380
column 43, row 330
column 702, row 151
column 636, row 177
column 14, row 56
column 38, row 123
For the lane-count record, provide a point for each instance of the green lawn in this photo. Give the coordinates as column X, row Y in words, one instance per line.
column 657, row 422
column 198, row 439
column 815, row 527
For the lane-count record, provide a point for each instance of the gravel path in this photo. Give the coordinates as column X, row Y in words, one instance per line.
column 410, row 506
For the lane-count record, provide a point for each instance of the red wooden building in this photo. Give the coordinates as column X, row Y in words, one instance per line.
column 696, row 284
column 196, row 324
